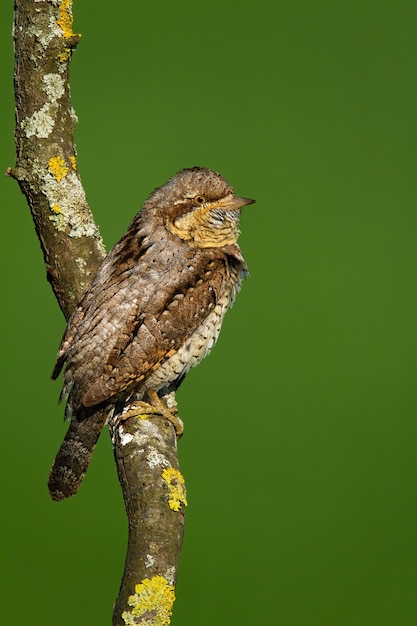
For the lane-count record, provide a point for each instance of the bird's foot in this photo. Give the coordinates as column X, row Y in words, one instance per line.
column 155, row 406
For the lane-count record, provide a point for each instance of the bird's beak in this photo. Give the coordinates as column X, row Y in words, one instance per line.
column 235, row 202
column 243, row 201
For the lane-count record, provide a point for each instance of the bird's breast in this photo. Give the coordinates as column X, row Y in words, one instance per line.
column 197, row 346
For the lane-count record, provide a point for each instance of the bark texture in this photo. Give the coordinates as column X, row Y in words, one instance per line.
column 154, row 511
column 46, row 165
column 46, row 170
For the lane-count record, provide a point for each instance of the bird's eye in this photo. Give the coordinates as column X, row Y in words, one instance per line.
column 199, row 199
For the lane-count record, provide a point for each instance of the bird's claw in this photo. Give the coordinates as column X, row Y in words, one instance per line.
column 155, row 406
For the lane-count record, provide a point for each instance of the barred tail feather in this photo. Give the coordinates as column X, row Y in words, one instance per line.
column 74, row 455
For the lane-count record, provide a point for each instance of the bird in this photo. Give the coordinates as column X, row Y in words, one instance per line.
column 153, row 311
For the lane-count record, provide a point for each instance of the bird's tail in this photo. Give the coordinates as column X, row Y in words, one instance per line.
column 74, row 455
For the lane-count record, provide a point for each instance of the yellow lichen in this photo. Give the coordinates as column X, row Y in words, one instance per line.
column 55, row 208
column 58, row 168
column 65, row 55
column 65, row 18
column 151, row 604
column 73, row 162
column 176, row 487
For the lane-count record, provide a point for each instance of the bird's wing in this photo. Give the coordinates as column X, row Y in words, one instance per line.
column 67, row 339
column 104, row 285
column 157, row 333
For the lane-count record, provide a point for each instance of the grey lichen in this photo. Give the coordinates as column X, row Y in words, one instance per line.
column 82, row 263
column 68, row 194
column 44, row 30
column 54, row 86
column 59, row 222
column 40, row 123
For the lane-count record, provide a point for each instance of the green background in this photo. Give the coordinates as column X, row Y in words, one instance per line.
column 299, row 450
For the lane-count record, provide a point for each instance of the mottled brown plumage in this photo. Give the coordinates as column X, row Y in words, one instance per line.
column 153, row 310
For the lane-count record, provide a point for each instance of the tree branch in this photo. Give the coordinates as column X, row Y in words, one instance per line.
column 46, row 166
column 146, row 455
column 46, row 170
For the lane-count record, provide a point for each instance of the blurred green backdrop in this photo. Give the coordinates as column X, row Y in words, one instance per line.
column 299, row 452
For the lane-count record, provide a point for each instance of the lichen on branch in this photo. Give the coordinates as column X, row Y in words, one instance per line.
column 45, row 151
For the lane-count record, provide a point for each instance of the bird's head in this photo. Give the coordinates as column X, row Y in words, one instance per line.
column 201, row 208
